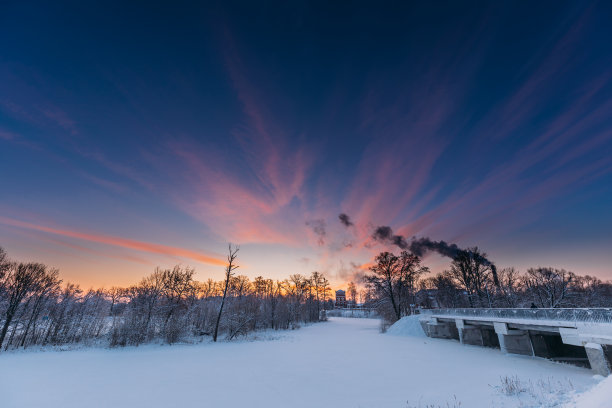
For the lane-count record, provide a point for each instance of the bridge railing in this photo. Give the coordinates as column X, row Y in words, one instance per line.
column 593, row 315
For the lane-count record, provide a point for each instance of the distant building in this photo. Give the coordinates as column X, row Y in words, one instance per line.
column 340, row 298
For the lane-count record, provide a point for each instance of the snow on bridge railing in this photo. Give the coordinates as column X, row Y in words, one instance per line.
column 594, row 315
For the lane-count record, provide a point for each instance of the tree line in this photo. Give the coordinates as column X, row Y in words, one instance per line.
column 397, row 284
column 169, row 305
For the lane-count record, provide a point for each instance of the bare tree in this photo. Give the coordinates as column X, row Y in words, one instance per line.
column 588, row 291
column 115, row 294
column 148, row 293
column 383, row 279
column 20, row 280
column 476, row 274
column 165, row 305
column 48, row 286
column 445, row 291
column 319, row 289
column 410, row 271
column 352, row 292
column 240, row 286
column 4, row 262
column 510, row 287
column 549, row 286
column 324, row 288
column 394, row 280
column 229, row 272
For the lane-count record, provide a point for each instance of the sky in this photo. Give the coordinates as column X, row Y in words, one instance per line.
column 144, row 134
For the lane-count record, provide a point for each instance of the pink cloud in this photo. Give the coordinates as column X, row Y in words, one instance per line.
column 82, row 248
column 239, row 211
column 254, row 193
column 119, row 242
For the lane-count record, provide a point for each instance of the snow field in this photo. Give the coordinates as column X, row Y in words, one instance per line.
column 345, row 362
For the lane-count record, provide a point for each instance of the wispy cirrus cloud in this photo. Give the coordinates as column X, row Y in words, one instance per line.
column 234, row 208
column 118, row 242
column 566, row 151
column 280, row 167
column 252, row 188
column 467, row 132
column 85, row 250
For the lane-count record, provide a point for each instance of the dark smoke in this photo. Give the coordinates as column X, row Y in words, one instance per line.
column 494, row 272
column 420, row 246
column 385, row 234
column 345, row 220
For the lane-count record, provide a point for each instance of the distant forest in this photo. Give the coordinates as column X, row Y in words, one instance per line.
column 399, row 283
column 38, row 309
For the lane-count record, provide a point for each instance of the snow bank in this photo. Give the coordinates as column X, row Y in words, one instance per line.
column 599, row 396
column 407, row 326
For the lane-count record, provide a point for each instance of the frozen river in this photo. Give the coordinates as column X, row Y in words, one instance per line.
column 341, row 363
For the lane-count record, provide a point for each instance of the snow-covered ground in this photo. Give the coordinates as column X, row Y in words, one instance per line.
column 407, row 326
column 599, row 396
column 345, row 362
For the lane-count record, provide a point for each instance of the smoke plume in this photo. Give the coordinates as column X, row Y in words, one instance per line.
column 385, row 234
column 345, row 220
column 420, row 247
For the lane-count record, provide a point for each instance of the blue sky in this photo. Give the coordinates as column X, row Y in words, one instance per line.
column 135, row 135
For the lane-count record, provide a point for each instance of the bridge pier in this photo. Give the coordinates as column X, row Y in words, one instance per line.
column 469, row 334
column 513, row 341
column 476, row 335
column 599, row 358
column 439, row 329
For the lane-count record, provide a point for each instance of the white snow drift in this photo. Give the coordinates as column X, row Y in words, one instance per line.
column 407, row 326
column 599, row 396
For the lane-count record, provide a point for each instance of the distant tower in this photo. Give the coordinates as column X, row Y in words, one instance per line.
column 340, row 298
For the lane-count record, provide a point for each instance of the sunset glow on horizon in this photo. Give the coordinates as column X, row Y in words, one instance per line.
column 157, row 136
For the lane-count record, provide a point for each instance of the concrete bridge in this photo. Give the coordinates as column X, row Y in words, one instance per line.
column 577, row 336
